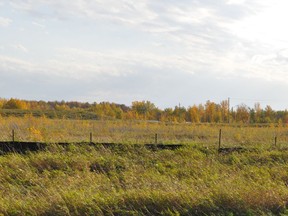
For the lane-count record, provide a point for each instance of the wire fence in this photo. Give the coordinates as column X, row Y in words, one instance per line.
column 205, row 135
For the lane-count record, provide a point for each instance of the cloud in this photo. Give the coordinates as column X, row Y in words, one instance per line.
column 121, row 63
column 4, row 22
column 20, row 47
column 136, row 12
column 197, row 37
column 15, row 65
column 87, row 66
column 39, row 25
column 183, row 22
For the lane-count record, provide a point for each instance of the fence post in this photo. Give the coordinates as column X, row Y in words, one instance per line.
column 13, row 135
column 275, row 141
column 220, row 138
column 91, row 137
column 156, row 138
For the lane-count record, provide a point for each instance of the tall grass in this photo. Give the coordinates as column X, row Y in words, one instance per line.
column 84, row 180
column 64, row 130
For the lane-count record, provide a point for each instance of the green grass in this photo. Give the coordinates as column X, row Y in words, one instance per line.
column 84, row 180
column 51, row 114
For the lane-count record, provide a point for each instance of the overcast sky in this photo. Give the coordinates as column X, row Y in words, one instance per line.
column 167, row 52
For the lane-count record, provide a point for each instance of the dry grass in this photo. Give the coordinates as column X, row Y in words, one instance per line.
column 64, row 130
column 136, row 181
column 194, row 180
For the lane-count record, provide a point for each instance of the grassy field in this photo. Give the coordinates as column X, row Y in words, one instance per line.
column 129, row 180
column 137, row 132
column 135, row 181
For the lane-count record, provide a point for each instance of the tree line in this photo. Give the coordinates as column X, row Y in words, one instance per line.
column 210, row 112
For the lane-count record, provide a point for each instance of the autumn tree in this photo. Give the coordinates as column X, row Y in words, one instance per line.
column 2, row 102
column 210, row 111
column 144, row 109
column 201, row 112
column 107, row 110
column 167, row 115
column 269, row 114
column 224, row 107
column 258, row 113
column 193, row 114
column 285, row 117
column 61, row 107
column 242, row 113
column 179, row 113
column 15, row 104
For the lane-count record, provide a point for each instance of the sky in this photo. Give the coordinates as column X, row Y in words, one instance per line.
column 167, row 52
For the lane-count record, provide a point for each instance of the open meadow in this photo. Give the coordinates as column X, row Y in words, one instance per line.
column 133, row 180
column 43, row 129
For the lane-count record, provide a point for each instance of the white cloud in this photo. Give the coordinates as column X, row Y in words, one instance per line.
column 178, row 21
column 236, row 2
column 189, row 15
column 266, row 26
column 22, row 5
column 123, row 63
column 4, row 22
column 84, row 65
column 223, row 38
column 14, row 65
column 20, row 47
column 134, row 13
column 122, row 11
column 88, row 65
column 39, row 25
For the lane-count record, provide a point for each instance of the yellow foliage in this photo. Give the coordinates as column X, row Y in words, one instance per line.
column 35, row 134
column 15, row 104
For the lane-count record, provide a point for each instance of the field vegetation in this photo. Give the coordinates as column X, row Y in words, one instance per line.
column 47, row 130
column 133, row 180
column 84, row 180
column 210, row 112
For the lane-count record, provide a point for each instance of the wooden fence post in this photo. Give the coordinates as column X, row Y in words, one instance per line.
column 91, row 137
column 156, row 138
column 275, row 141
column 220, row 138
